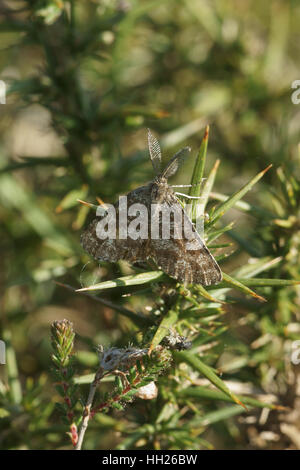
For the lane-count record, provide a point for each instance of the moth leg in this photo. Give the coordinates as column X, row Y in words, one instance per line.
column 188, row 197
column 186, row 185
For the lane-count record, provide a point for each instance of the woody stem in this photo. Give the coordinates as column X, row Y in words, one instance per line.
column 87, row 408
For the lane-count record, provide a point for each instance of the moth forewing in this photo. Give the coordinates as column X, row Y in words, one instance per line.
column 155, row 152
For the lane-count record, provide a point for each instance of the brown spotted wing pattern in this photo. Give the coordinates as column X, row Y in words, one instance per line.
column 186, row 259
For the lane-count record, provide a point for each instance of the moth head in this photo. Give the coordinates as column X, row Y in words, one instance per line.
column 160, row 184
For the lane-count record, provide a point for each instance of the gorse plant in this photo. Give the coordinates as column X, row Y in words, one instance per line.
column 193, row 310
column 83, row 81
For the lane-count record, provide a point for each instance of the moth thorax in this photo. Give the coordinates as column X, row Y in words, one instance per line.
column 159, row 188
column 160, row 180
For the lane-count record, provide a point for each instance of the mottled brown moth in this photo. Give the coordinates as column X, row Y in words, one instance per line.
column 182, row 254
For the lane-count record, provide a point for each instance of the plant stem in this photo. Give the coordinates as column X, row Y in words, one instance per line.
column 87, row 408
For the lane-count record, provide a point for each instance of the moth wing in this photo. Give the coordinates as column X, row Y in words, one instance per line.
column 176, row 162
column 186, row 259
column 115, row 249
column 155, row 152
column 112, row 250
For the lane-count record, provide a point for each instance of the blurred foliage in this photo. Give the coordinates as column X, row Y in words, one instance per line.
column 84, row 80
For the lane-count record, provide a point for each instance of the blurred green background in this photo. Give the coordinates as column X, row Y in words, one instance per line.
column 84, row 80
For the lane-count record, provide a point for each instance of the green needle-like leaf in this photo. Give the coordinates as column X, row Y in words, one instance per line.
column 132, row 280
column 164, row 328
column 261, row 265
column 244, row 206
column 208, row 372
column 215, row 416
column 204, row 392
column 231, row 201
column 238, row 285
column 198, row 171
column 207, row 187
column 200, row 289
column 196, row 208
column 70, row 200
column 260, row 282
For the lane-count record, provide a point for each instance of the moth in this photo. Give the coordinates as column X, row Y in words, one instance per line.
column 177, row 342
column 184, row 258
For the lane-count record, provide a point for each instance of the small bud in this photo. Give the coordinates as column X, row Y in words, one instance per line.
column 148, row 392
column 68, row 401
column 74, row 434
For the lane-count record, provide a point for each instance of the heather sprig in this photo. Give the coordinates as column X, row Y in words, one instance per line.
column 62, row 341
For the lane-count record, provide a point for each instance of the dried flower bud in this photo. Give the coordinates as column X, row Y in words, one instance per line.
column 148, row 392
column 119, row 358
